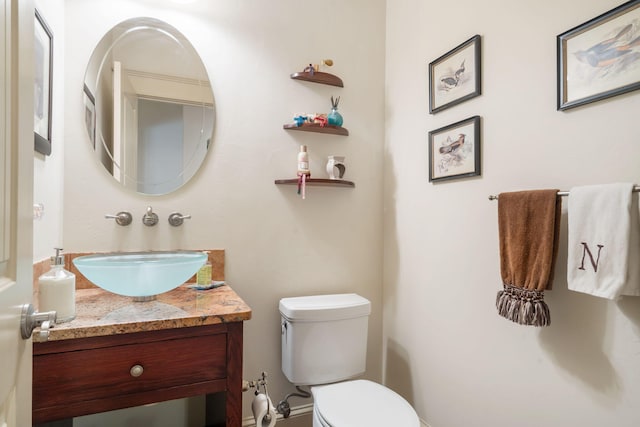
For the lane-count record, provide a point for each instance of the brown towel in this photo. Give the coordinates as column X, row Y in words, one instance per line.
column 528, row 225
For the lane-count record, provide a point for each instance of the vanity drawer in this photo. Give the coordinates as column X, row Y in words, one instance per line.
column 105, row 371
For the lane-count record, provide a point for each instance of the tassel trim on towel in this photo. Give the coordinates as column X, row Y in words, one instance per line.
column 523, row 306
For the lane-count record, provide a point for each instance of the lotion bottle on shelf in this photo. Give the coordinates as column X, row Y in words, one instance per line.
column 303, row 162
column 304, row 172
column 57, row 290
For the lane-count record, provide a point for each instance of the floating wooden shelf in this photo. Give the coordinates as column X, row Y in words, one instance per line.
column 321, row 182
column 318, row 77
column 315, row 127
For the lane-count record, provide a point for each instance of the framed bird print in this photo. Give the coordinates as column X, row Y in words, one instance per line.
column 455, row 76
column 454, row 150
column 600, row 58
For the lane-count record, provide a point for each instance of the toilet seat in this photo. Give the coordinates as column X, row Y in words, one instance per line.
column 361, row 403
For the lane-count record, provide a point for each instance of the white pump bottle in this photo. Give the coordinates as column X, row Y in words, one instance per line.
column 57, row 290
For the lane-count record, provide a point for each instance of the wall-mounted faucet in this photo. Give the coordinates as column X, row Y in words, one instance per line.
column 150, row 218
column 176, row 219
column 122, row 218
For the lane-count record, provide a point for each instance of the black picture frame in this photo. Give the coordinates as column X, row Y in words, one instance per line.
column 43, row 85
column 455, row 77
column 455, row 150
column 600, row 58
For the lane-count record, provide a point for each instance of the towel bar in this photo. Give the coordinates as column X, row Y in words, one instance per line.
column 636, row 189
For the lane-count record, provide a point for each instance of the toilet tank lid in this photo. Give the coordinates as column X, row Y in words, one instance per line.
column 324, row 307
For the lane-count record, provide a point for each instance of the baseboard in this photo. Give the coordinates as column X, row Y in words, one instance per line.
column 296, row 411
column 300, row 411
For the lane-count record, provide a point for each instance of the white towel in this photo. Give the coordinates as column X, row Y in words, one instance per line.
column 600, row 228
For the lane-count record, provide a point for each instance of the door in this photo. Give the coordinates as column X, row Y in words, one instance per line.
column 125, row 132
column 16, row 193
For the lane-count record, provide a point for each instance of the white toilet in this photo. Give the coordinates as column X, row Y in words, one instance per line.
column 324, row 343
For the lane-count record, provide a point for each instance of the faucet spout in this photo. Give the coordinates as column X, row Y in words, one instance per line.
column 150, row 218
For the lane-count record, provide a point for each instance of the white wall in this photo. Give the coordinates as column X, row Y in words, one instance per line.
column 276, row 244
column 446, row 349
column 48, row 175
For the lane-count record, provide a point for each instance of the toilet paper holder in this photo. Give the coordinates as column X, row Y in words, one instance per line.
column 283, row 406
column 257, row 384
column 260, row 382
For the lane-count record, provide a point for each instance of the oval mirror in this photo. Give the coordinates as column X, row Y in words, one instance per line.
column 148, row 106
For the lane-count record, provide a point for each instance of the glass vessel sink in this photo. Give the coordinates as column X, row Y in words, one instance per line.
column 141, row 275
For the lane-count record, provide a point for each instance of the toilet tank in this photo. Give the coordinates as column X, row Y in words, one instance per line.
column 324, row 337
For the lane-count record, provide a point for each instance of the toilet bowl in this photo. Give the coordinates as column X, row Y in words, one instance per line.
column 360, row 403
column 324, row 342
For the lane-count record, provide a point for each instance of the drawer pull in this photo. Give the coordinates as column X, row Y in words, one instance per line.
column 136, row 370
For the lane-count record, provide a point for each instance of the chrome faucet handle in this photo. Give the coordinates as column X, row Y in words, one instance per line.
column 122, row 218
column 150, row 218
column 176, row 219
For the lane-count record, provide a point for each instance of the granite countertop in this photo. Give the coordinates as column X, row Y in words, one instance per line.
column 101, row 313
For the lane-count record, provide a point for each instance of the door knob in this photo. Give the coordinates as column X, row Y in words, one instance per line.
column 30, row 319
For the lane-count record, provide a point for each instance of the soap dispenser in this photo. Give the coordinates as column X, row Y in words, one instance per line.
column 58, row 290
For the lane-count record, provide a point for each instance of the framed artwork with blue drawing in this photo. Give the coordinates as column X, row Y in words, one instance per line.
column 600, row 58
column 454, row 150
column 455, row 76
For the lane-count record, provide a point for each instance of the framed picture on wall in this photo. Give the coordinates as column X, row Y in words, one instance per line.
column 600, row 58
column 43, row 49
column 455, row 76
column 454, row 150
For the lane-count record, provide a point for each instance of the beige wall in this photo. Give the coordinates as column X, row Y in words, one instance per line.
column 276, row 244
column 47, row 170
column 446, row 349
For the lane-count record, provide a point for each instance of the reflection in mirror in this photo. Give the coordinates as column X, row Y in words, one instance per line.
column 148, row 106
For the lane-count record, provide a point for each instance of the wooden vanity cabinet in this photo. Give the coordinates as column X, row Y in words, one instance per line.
column 82, row 376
